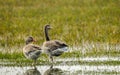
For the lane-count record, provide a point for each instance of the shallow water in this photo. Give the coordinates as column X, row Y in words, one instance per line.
column 60, row 70
column 65, row 68
column 91, row 59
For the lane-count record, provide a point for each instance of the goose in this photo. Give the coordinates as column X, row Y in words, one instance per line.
column 53, row 47
column 30, row 50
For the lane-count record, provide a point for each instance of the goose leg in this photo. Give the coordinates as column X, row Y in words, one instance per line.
column 51, row 59
column 51, row 66
column 34, row 63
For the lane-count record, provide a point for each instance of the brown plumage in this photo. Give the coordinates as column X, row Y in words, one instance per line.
column 30, row 50
column 53, row 47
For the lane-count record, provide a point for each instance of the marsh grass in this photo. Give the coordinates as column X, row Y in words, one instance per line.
column 18, row 59
column 69, row 54
column 72, row 21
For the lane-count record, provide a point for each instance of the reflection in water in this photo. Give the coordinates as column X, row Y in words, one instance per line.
column 32, row 72
column 62, row 70
column 53, row 71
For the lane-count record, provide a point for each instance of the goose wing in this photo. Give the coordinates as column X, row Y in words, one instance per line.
column 31, row 48
column 54, row 45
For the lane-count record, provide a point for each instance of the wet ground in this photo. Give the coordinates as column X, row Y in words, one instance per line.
column 60, row 70
column 69, row 66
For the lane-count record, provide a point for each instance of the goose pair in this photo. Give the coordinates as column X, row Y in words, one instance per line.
column 51, row 47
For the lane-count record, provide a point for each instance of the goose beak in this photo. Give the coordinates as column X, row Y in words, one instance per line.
column 50, row 27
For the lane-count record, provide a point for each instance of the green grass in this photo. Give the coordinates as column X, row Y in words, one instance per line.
column 72, row 21
column 18, row 59
column 74, row 54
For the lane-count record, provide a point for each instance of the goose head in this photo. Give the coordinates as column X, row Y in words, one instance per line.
column 29, row 40
column 48, row 27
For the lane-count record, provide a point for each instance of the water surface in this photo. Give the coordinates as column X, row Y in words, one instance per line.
column 60, row 70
